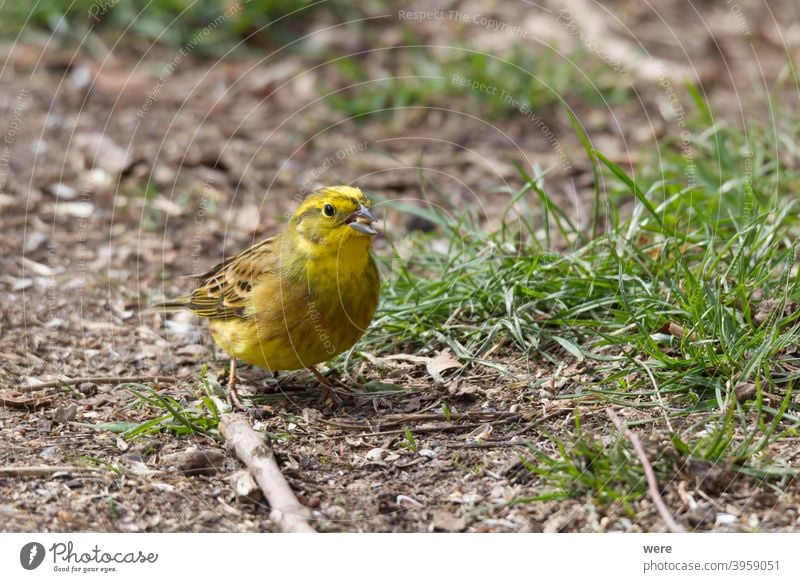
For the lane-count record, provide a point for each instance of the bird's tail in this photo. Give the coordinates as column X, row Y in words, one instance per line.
column 168, row 306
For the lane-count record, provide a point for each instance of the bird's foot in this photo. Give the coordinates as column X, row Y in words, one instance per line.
column 329, row 395
column 233, row 399
column 232, row 394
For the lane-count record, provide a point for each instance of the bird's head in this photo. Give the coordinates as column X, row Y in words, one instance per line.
column 334, row 216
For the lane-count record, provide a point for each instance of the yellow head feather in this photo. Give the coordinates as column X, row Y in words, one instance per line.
column 333, row 216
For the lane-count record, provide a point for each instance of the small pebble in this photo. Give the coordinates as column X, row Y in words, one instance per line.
column 375, row 454
column 62, row 191
column 725, row 519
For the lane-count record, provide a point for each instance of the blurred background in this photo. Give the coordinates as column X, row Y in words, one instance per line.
column 149, row 138
column 137, row 118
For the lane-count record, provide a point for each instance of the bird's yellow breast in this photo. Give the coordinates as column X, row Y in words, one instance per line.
column 307, row 315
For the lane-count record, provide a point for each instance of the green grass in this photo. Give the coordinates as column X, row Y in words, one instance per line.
column 586, row 466
column 409, row 442
column 673, row 307
column 523, row 82
column 194, row 414
column 209, row 27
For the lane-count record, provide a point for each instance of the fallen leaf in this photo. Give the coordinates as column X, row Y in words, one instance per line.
column 441, row 363
column 195, row 461
column 745, row 391
column 375, row 454
column 408, row 502
column 673, row 329
column 64, row 414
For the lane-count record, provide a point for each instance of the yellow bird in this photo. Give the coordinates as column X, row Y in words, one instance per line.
column 298, row 298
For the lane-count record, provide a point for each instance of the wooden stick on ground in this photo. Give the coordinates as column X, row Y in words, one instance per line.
column 649, row 474
column 94, row 380
column 252, row 450
column 42, row 470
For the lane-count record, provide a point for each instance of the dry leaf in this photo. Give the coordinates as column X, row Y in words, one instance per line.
column 196, row 461
column 441, row 363
column 673, row 329
column 745, row 391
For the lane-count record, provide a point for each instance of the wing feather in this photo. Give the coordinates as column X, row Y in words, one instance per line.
column 225, row 291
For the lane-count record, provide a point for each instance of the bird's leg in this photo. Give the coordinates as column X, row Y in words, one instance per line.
column 233, row 395
column 327, row 390
column 320, row 378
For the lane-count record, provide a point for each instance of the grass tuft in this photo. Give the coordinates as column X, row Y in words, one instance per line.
column 693, row 296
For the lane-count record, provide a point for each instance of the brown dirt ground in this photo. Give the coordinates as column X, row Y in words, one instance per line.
column 82, row 249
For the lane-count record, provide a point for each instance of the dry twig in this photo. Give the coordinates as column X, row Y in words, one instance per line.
column 652, row 484
column 25, row 401
column 92, row 379
column 42, row 470
column 252, row 450
column 395, row 419
column 421, row 429
column 487, row 445
column 539, row 421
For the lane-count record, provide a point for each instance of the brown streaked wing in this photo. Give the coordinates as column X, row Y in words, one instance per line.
column 225, row 290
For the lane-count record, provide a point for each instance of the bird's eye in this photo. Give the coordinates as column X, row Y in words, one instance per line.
column 328, row 210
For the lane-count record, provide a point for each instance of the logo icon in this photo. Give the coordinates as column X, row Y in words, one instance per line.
column 31, row 555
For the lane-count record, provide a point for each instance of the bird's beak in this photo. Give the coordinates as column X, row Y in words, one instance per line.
column 362, row 220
